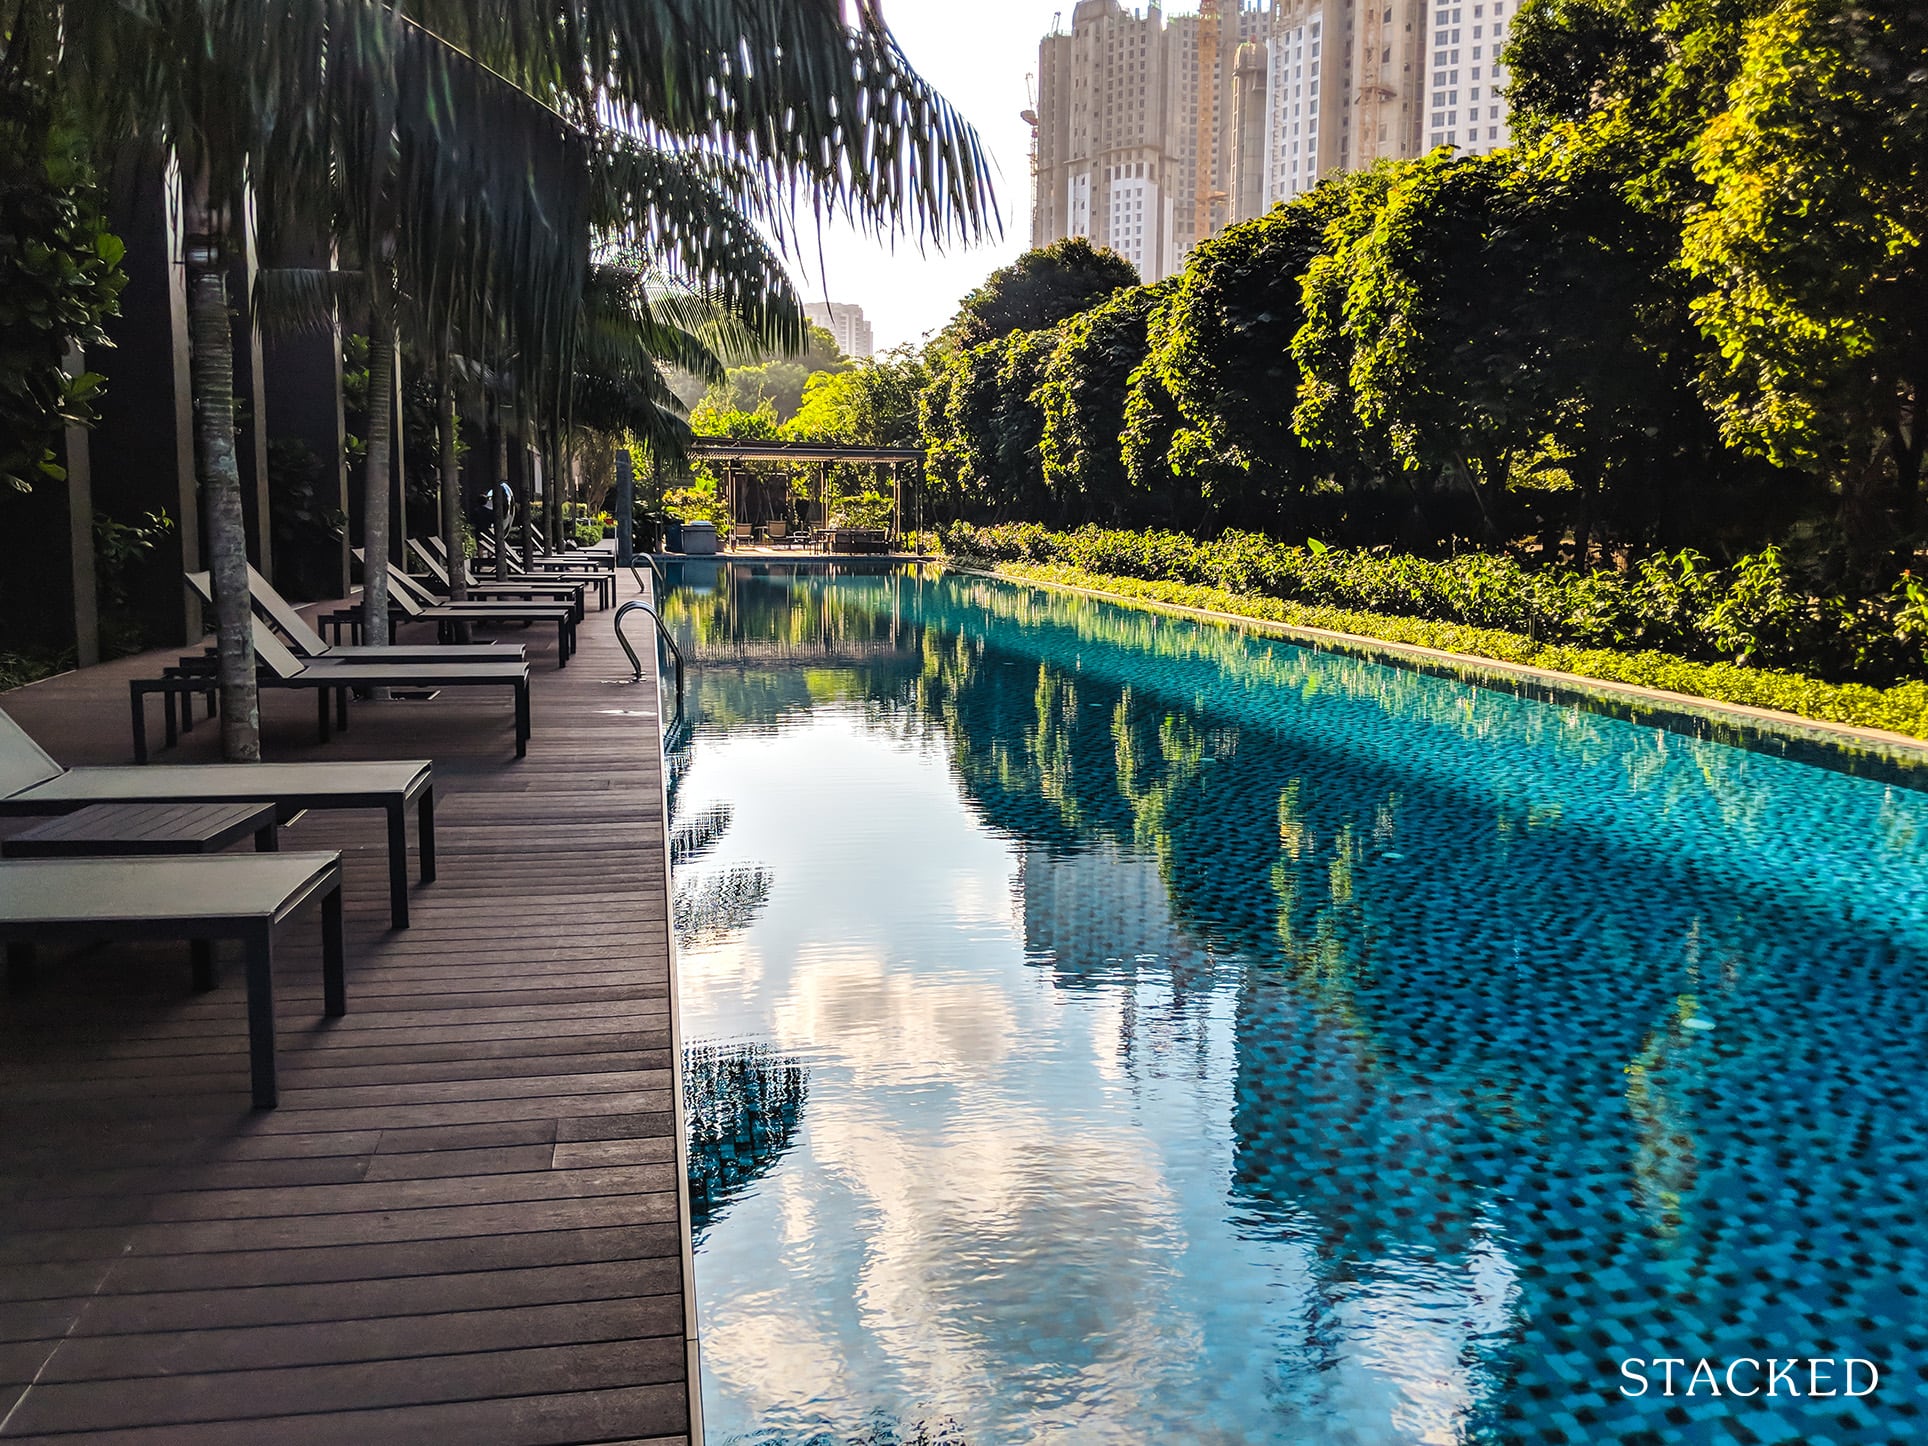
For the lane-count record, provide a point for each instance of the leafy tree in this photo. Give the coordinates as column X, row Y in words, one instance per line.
column 781, row 381
column 1566, row 59
column 1813, row 251
column 1087, row 380
column 1326, row 415
column 60, row 277
column 1039, row 289
column 871, row 403
column 983, row 426
column 1223, row 352
column 1145, row 444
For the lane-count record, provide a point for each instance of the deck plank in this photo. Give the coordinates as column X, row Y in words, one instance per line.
column 464, row 1221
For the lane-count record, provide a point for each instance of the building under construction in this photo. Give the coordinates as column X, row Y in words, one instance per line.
column 1150, row 132
column 1136, row 126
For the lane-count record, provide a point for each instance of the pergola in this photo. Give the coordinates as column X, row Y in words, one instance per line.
column 729, row 451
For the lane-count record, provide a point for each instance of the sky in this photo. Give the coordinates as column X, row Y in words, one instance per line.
column 978, row 54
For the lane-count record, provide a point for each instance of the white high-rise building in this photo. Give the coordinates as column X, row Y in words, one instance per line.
column 1135, row 136
column 845, row 321
column 1467, row 108
column 1151, row 134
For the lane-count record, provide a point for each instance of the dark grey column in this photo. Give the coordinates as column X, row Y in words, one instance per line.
column 304, row 406
column 142, row 450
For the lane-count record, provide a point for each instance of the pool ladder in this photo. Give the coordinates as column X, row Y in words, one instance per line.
column 662, row 631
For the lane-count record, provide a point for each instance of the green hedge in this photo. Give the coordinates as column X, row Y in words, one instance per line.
column 1756, row 613
column 1900, row 709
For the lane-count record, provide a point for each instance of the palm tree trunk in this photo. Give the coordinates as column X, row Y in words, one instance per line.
column 525, row 504
column 375, row 484
column 212, row 332
column 451, row 479
column 554, row 515
column 499, row 499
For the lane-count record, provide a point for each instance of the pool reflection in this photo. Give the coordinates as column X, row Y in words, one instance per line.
column 1213, row 1041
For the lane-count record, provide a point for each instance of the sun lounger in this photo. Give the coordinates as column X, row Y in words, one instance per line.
column 33, row 785
column 562, row 590
column 232, row 896
column 409, row 601
column 590, row 558
column 435, row 554
column 279, row 668
column 286, row 619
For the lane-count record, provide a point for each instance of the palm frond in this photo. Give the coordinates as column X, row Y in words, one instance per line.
column 292, row 299
column 690, row 214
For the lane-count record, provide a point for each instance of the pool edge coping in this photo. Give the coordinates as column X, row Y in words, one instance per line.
column 1839, row 746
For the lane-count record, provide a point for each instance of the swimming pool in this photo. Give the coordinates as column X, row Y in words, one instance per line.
column 1102, row 1027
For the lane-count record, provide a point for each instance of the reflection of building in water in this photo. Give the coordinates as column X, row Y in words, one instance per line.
column 1100, row 914
column 743, row 1103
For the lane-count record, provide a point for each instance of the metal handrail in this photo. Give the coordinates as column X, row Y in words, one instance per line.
column 663, row 631
column 655, row 567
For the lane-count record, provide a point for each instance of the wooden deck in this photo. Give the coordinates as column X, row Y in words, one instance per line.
column 466, row 1222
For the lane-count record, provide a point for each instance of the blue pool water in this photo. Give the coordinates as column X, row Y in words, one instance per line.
column 1103, row 1027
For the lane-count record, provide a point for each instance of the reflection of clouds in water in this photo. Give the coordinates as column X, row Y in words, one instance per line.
column 767, row 1350
column 848, row 1004
column 1405, row 1340
column 711, row 907
column 994, row 1251
column 997, row 1260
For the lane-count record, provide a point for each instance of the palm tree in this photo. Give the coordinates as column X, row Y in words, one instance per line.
column 474, row 154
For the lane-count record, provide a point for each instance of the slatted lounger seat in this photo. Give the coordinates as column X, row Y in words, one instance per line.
column 229, row 896
column 280, row 668
column 33, row 785
column 286, row 619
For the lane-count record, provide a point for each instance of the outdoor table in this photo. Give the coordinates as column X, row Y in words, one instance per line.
column 232, row 896
column 147, row 828
column 390, row 786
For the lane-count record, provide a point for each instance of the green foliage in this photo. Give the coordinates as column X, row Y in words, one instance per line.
column 779, row 384
column 1902, row 708
column 861, row 509
column 1759, row 612
column 983, row 427
column 1039, row 289
column 871, row 403
column 1813, row 251
column 60, row 277
column 1087, row 381
column 1221, row 349
column 119, row 548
